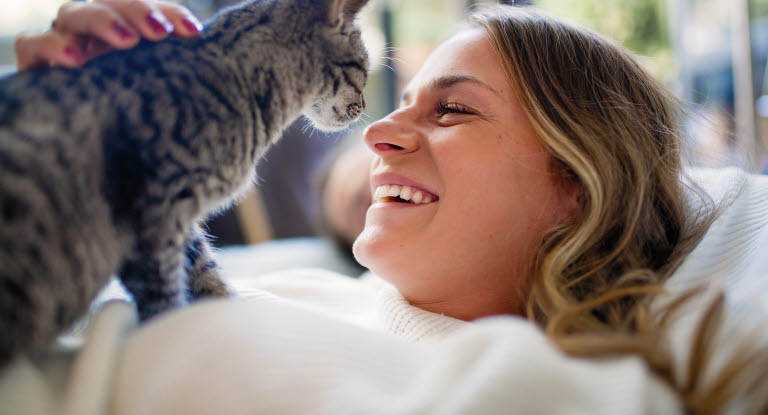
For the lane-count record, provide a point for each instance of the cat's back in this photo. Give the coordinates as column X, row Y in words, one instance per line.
column 54, row 222
column 54, row 97
column 57, row 121
column 48, row 125
column 48, row 107
column 50, row 158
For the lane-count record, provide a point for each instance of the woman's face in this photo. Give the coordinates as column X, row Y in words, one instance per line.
column 488, row 194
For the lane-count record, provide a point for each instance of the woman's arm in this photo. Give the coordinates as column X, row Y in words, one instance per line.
column 82, row 31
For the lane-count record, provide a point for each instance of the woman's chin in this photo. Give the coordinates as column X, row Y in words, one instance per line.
column 360, row 257
column 374, row 250
column 364, row 250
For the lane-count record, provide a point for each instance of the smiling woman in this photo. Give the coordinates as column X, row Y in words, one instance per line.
column 471, row 147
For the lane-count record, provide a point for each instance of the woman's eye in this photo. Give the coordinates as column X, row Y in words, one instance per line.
column 443, row 108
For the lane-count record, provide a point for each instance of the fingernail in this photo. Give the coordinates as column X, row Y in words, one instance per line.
column 192, row 25
column 123, row 31
column 74, row 53
column 159, row 24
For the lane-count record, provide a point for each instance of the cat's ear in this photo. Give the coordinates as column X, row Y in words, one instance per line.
column 341, row 11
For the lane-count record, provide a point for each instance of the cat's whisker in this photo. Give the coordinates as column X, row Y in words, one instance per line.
column 387, row 66
column 391, row 58
column 384, row 51
column 355, row 123
column 307, row 129
column 310, row 131
column 364, row 120
column 388, row 45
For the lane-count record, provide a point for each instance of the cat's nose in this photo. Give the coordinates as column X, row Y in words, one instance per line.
column 362, row 100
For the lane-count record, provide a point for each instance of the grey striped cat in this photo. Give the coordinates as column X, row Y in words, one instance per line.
column 107, row 169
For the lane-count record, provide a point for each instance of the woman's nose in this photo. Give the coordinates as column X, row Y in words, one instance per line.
column 392, row 135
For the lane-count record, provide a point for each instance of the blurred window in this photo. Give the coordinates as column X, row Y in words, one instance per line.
column 711, row 52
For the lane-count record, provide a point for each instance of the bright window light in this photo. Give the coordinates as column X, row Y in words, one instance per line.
column 22, row 15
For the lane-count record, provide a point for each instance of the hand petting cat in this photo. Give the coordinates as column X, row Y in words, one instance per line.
column 82, row 31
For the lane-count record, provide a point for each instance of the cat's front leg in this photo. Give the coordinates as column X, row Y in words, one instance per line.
column 155, row 276
column 203, row 276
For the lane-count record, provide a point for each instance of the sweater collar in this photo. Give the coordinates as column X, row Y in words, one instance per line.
column 396, row 316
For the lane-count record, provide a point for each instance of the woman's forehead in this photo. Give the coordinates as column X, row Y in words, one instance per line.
column 467, row 55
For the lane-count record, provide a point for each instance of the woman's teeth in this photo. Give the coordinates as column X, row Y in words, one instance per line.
column 389, row 193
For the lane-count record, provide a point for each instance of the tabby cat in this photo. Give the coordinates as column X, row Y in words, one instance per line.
column 107, row 169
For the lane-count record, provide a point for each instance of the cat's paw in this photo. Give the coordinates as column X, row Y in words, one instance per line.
column 208, row 286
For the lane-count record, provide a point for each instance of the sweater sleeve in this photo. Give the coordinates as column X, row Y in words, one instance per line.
column 239, row 357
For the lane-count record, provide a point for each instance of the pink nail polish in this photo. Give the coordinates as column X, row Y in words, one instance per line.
column 74, row 53
column 159, row 24
column 192, row 25
column 123, row 31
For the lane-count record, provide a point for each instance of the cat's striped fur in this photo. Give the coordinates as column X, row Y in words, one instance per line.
column 107, row 169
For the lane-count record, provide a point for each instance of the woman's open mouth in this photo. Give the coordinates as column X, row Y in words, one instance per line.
column 402, row 194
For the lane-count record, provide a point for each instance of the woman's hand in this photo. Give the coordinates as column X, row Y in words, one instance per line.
column 83, row 31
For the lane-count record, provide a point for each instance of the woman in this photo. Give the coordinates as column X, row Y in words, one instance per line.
column 532, row 169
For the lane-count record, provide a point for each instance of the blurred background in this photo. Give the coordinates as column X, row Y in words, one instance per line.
column 711, row 52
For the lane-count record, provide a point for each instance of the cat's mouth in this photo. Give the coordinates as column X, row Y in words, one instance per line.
column 336, row 116
column 351, row 112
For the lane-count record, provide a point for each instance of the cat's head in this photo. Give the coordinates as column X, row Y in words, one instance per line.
column 344, row 66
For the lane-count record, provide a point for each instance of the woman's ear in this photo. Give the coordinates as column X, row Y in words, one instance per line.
column 571, row 192
column 572, row 198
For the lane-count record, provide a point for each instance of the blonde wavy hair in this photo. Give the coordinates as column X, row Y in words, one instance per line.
column 612, row 129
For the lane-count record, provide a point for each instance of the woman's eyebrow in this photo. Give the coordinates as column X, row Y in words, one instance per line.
column 447, row 81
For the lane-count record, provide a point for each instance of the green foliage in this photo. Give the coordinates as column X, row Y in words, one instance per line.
column 758, row 8
column 639, row 25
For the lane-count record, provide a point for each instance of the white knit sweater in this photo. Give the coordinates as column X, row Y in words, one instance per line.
column 369, row 301
column 313, row 342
